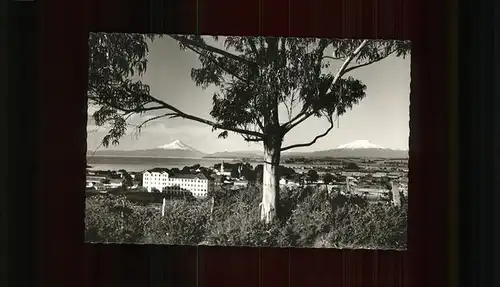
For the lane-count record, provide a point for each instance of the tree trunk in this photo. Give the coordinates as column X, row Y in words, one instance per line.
column 270, row 182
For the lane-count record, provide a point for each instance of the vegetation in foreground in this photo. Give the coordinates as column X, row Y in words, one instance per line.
column 310, row 217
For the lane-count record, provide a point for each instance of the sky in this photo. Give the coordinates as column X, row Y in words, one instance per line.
column 382, row 117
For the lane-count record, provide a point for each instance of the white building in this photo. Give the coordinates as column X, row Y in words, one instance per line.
column 241, row 183
column 95, row 182
column 379, row 174
column 95, row 185
column 222, row 172
column 114, row 183
column 197, row 184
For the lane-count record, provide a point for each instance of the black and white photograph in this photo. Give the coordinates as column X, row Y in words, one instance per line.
column 247, row 141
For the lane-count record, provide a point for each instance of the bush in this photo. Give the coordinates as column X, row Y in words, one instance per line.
column 309, row 217
column 113, row 219
column 380, row 226
column 184, row 223
column 243, row 227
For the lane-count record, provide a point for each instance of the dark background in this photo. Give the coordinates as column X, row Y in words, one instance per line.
column 46, row 106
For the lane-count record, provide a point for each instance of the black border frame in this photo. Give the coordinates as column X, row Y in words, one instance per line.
column 62, row 257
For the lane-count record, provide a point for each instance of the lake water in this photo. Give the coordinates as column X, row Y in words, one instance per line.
column 143, row 163
column 136, row 164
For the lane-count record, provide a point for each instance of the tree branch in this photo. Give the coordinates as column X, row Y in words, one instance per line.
column 138, row 127
column 367, row 63
column 259, row 123
column 304, row 115
column 218, row 64
column 117, row 107
column 311, row 142
column 181, row 114
column 186, row 41
column 330, row 57
column 250, row 139
column 346, row 63
column 301, row 113
column 289, row 125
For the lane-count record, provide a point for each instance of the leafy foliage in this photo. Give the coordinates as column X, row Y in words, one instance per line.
column 184, row 223
column 352, row 166
column 254, row 76
column 113, row 220
column 328, row 178
column 310, row 217
column 114, row 60
column 312, row 175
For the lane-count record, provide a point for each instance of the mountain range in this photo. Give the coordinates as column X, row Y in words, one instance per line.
column 178, row 149
column 355, row 149
column 175, row 149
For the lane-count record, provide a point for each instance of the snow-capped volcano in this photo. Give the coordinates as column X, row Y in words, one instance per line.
column 175, row 149
column 355, row 149
column 359, row 144
column 177, row 144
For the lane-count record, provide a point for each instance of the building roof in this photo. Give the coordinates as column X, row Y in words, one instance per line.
column 189, row 175
column 95, row 178
column 178, row 175
column 158, row 169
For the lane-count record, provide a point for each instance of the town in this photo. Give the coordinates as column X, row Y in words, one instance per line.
column 370, row 178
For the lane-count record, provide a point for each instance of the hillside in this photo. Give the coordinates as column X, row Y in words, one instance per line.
column 175, row 149
column 236, row 154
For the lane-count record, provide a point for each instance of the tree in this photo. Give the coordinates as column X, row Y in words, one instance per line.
column 286, row 172
column 312, row 175
column 352, row 166
column 299, row 178
column 138, row 177
column 127, row 180
column 255, row 76
column 234, row 172
column 206, row 172
column 328, row 178
column 247, row 172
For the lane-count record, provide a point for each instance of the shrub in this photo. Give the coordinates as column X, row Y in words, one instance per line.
column 184, row 223
column 241, row 226
column 310, row 217
column 113, row 219
column 380, row 226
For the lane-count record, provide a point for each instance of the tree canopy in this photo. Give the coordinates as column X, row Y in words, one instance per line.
column 328, row 178
column 312, row 175
column 255, row 76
